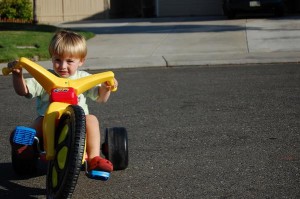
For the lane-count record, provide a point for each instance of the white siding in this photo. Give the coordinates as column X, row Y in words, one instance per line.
column 48, row 11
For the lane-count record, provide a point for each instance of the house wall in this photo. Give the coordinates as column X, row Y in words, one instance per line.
column 49, row 11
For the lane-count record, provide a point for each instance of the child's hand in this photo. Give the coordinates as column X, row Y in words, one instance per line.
column 12, row 65
column 105, row 89
column 109, row 87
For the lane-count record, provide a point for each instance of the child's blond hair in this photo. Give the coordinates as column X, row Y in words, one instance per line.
column 66, row 43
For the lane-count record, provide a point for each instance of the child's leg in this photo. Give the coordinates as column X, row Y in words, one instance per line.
column 92, row 137
column 37, row 124
column 93, row 145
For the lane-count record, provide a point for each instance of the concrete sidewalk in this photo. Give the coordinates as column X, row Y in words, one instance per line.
column 167, row 42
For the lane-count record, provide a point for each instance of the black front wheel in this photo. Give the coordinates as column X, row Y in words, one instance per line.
column 64, row 170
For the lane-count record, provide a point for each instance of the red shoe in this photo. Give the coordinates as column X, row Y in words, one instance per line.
column 101, row 164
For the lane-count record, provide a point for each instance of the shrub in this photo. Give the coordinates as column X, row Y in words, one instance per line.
column 16, row 9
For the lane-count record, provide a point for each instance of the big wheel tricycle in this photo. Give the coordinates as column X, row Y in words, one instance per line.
column 63, row 145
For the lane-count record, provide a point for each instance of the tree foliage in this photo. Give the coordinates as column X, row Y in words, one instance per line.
column 16, row 9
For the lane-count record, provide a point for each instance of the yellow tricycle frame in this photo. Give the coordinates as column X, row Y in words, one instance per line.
column 49, row 81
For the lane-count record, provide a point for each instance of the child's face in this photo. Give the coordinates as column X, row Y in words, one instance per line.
column 66, row 66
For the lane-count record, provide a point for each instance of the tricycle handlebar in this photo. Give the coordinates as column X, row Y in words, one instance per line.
column 50, row 81
column 6, row 71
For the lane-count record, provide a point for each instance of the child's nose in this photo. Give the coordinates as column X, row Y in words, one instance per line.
column 63, row 64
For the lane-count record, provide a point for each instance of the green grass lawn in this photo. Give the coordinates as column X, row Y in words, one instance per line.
column 27, row 40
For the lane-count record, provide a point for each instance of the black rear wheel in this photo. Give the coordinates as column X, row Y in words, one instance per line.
column 115, row 147
column 64, row 170
column 24, row 158
column 23, row 166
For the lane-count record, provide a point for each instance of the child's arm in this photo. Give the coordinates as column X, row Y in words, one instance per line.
column 18, row 80
column 105, row 90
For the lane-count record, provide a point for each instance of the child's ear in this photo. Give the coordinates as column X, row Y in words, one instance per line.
column 82, row 61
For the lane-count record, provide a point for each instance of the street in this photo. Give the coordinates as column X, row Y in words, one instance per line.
column 194, row 132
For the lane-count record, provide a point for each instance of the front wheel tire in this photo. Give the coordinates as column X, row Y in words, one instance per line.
column 64, row 170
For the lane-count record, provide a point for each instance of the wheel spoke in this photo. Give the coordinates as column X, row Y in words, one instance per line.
column 63, row 134
column 62, row 157
column 54, row 177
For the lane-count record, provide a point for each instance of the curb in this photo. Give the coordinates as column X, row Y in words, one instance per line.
column 211, row 60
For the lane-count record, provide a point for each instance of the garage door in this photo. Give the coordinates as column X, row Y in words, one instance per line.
column 188, row 7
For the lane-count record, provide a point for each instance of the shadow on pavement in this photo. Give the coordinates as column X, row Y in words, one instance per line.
column 153, row 29
column 11, row 188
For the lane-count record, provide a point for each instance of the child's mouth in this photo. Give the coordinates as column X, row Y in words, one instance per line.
column 63, row 73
